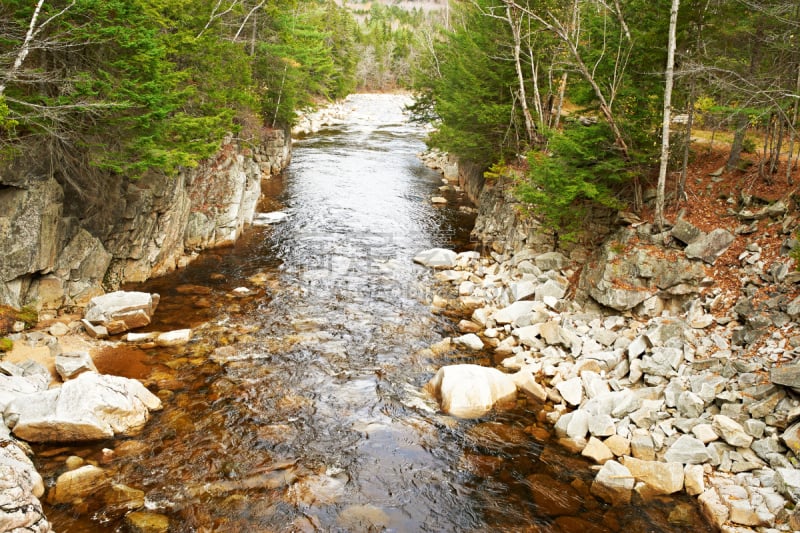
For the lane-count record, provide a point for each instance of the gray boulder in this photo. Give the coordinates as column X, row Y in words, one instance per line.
column 686, row 232
column 709, row 247
column 628, row 272
column 787, row 375
column 550, row 261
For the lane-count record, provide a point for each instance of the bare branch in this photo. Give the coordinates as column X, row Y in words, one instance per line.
column 241, row 27
column 214, row 15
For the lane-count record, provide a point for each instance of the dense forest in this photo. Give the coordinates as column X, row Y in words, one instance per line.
column 136, row 86
column 572, row 94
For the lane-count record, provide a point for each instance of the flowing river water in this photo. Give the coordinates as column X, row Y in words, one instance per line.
column 298, row 407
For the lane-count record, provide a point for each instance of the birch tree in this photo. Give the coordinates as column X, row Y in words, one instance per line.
column 665, row 125
column 34, row 29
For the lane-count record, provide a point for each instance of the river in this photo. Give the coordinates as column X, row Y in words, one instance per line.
column 298, row 407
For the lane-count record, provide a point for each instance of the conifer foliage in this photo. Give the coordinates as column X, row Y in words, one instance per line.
column 137, row 86
column 573, row 91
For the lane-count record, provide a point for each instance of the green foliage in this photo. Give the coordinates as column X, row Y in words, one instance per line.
column 583, row 164
column 6, row 344
column 137, row 86
column 7, row 124
column 471, row 95
column 29, row 316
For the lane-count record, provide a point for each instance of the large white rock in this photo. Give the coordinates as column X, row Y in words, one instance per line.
column 469, row 341
column 661, row 478
column 470, row 391
column 21, row 487
column 436, row 258
column 12, row 387
column 522, row 290
column 121, row 310
column 687, row 450
column 693, row 479
column 571, row 390
column 731, row 431
column 613, row 483
column 510, row 314
column 90, row 407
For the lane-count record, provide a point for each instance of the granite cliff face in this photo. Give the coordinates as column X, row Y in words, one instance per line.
column 503, row 224
column 57, row 249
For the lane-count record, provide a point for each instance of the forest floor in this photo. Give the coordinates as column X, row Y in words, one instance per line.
column 714, row 197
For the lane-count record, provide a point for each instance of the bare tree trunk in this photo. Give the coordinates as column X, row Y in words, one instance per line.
column 738, row 141
column 776, row 156
column 767, row 135
column 793, row 129
column 681, row 192
column 516, row 31
column 665, row 125
column 562, row 87
column 537, row 97
column 25, row 48
column 253, row 35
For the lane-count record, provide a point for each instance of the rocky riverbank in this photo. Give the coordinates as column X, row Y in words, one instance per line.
column 62, row 247
column 682, row 393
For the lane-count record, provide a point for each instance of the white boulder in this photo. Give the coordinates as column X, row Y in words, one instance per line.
column 470, row 391
column 21, row 487
column 121, row 310
column 90, row 407
column 436, row 258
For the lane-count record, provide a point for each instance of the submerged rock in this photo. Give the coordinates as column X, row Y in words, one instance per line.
column 266, row 219
column 470, row 391
column 147, row 522
column 77, row 484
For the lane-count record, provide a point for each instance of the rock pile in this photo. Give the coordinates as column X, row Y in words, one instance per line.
column 659, row 400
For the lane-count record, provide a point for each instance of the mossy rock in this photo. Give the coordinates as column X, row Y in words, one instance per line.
column 6, row 344
column 29, row 316
column 9, row 316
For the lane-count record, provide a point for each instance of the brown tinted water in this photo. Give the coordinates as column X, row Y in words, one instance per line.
column 299, row 406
